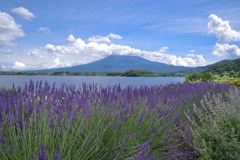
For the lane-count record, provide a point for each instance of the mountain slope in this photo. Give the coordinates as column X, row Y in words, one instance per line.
column 116, row 63
column 225, row 65
column 192, row 70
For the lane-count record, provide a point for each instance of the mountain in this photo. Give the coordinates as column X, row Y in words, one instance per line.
column 120, row 64
column 115, row 63
column 191, row 70
column 225, row 65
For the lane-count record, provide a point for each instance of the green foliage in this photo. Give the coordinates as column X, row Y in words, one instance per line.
column 216, row 130
column 5, row 91
column 198, row 77
column 224, row 66
column 138, row 73
column 225, row 74
column 113, row 74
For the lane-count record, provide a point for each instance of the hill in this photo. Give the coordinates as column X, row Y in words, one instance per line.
column 191, row 70
column 226, row 71
column 224, row 66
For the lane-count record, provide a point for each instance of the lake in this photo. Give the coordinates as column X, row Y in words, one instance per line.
column 7, row 81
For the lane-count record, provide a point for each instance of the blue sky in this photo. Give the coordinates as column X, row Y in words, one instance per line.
column 52, row 34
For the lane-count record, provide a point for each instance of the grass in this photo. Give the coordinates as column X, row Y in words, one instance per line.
column 177, row 121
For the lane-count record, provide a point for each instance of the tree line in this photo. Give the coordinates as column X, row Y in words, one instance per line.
column 209, row 76
column 129, row 73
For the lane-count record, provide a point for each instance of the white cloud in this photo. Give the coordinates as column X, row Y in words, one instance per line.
column 226, row 50
column 163, row 50
column 99, row 39
column 200, row 60
column 104, row 39
column 114, row 36
column 24, row 13
column 225, row 34
column 191, row 53
column 18, row 66
column 179, row 61
column 77, row 51
column 36, row 53
column 44, row 30
column 70, row 38
column 50, row 47
column 222, row 29
column 57, row 63
column 9, row 29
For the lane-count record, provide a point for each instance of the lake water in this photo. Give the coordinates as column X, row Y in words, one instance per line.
column 7, row 81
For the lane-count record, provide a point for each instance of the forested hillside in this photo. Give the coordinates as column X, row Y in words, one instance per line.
column 224, row 71
column 224, row 66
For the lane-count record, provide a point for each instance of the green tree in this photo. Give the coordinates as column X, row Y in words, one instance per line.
column 192, row 77
column 225, row 74
column 238, row 75
column 197, row 77
column 138, row 73
column 208, row 76
column 233, row 74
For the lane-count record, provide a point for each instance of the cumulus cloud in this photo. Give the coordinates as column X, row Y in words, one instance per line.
column 225, row 35
column 44, row 30
column 18, row 66
column 104, row 39
column 77, row 51
column 226, row 50
column 222, row 30
column 36, row 53
column 163, row 50
column 9, row 29
column 24, row 13
column 57, row 63
column 191, row 53
column 200, row 60
column 71, row 38
column 99, row 39
column 50, row 47
column 114, row 36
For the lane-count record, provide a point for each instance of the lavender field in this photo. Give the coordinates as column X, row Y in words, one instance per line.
column 175, row 121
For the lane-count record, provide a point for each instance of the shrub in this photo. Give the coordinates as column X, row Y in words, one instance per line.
column 200, row 77
column 216, row 131
column 235, row 82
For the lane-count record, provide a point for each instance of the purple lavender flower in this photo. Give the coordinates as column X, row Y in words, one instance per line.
column 51, row 125
column 145, row 149
column 43, row 155
column 3, row 139
column 58, row 154
column 12, row 147
column 156, row 111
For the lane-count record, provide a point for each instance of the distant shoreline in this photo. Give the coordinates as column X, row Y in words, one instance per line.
column 8, row 73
